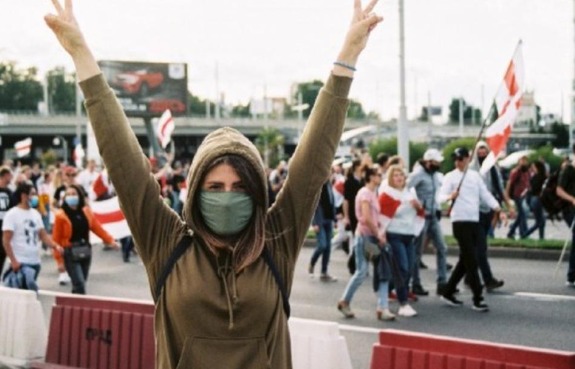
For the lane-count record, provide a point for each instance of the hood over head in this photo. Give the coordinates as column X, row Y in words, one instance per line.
column 223, row 141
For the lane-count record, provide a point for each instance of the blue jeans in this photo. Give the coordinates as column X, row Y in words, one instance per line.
column 360, row 267
column 383, row 295
column 537, row 209
column 569, row 216
column 403, row 252
column 323, row 246
column 78, row 271
column 431, row 229
column 521, row 220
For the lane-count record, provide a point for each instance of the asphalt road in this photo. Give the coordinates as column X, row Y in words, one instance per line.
column 534, row 308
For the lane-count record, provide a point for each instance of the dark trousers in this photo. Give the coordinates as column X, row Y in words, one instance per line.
column 467, row 235
column 569, row 216
column 521, row 220
column 484, row 227
column 2, row 256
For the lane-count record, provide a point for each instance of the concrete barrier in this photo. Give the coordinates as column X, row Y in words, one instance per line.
column 23, row 333
column 407, row 350
column 318, row 345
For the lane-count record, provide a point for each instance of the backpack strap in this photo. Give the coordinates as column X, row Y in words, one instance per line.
column 270, row 262
column 185, row 243
column 180, row 249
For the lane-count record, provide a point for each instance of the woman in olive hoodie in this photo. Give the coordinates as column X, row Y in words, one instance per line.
column 220, row 307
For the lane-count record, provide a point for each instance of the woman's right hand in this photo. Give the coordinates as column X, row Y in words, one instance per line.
column 382, row 239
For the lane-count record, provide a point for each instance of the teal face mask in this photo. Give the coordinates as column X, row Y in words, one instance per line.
column 226, row 213
column 33, row 201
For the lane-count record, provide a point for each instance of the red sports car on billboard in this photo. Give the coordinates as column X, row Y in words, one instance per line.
column 139, row 82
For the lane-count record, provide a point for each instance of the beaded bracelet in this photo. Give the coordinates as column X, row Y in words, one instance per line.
column 345, row 65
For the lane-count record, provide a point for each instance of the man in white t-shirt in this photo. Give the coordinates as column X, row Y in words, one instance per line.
column 22, row 231
column 87, row 177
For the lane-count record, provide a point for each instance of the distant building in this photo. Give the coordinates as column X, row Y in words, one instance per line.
column 527, row 115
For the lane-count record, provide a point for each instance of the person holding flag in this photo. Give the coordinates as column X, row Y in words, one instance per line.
column 466, row 189
column 402, row 218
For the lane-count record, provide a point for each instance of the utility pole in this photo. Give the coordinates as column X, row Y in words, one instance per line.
column 402, row 124
column 572, row 121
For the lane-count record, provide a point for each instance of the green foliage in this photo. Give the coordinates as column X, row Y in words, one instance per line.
column 197, row 106
column 270, row 144
column 61, row 91
column 471, row 115
column 309, row 92
column 466, row 142
column 389, row 146
column 561, row 132
column 546, row 152
column 19, row 89
column 355, row 110
column 241, row 111
column 48, row 158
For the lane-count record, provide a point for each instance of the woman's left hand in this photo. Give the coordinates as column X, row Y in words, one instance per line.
column 114, row 245
column 362, row 23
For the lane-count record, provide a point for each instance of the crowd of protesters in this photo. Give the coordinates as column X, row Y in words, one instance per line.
column 351, row 212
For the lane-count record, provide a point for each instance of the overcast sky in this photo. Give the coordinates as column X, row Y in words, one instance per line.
column 453, row 47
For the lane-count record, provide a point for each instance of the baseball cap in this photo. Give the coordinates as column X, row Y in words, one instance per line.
column 433, row 154
column 460, row 152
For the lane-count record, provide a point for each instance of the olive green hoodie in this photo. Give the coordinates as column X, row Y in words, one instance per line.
column 209, row 316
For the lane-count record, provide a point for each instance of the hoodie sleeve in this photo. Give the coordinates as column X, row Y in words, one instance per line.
column 310, row 166
column 153, row 224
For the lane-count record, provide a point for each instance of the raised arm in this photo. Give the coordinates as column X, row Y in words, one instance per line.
column 311, row 163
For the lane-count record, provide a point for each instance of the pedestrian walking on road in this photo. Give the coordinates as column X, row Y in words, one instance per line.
column 367, row 212
column 466, row 189
column 566, row 190
column 72, row 226
column 221, row 274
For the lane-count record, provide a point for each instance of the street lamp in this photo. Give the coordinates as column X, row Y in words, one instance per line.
column 61, row 140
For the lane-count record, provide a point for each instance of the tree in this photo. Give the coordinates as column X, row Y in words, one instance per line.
column 389, row 146
column 197, row 106
column 19, row 89
column 355, row 110
column 448, row 149
column 61, row 91
column 309, row 92
column 471, row 114
column 561, row 132
column 241, row 111
column 270, row 144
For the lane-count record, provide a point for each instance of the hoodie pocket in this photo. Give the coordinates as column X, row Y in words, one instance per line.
column 209, row 353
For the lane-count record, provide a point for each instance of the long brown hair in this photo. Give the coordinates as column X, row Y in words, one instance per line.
column 248, row 244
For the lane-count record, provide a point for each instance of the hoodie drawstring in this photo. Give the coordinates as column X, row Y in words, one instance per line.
column 222, row 273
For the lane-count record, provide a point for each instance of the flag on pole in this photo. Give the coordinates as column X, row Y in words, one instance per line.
column 390, row 199
column 109, row 214
column 23, row 147
column 504, row 109
column 165, row 128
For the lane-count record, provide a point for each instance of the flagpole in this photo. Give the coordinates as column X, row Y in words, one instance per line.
column 483, row 126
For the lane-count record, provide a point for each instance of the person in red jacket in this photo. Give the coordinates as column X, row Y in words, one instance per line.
column 72, row 226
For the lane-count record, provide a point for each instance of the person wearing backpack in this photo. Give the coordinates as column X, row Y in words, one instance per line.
column 221, row 306
column 566, row 191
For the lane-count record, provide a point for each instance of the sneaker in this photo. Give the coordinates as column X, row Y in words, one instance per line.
column 451, row 300
column 448, row 266
column 493, row 284
column 327, row 278
column 412, row 297
column 480, row 306
column 345, row 309
column 570, row 284
column 406, row 311
column 310, row 270
column 441, row 288
column 385, row 315
column 63, row 279
column 419, row 290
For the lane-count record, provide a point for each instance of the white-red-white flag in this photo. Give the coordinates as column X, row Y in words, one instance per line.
column 390, row 199
column 23, row 147
column 165, row 128
column 504, row 110
column 109, row 214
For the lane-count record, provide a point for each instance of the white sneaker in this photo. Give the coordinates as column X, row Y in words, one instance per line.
column 63, row 279
column 406, row 311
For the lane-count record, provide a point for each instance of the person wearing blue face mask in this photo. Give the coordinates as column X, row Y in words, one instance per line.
column 72, row 226
column 22, row 231
column 220, row 275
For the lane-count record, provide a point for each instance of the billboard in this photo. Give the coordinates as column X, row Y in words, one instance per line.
column 148, row 89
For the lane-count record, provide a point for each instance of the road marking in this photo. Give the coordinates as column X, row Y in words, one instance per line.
column 353, row 328
column 545, row 296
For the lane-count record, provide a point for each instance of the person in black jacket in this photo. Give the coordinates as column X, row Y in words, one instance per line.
column 322, row 223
